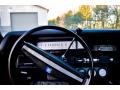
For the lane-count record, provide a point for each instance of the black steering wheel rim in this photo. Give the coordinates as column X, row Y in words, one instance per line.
column 27, row 34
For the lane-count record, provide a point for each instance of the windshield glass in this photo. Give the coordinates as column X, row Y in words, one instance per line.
column 89, row 17
column 70, row 16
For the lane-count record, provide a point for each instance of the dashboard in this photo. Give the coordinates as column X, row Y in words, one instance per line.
column 104, row 46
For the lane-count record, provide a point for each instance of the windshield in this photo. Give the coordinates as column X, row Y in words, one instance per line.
column 70, row 16
column 90, row 17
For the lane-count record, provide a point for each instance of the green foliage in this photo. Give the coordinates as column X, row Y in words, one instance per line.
column 69, row 14
column 72, row 20
column 101, row 13
column 52, row 22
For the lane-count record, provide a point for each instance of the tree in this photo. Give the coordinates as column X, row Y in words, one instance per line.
column 78, row 18
column 117, row 13
column 101, row 13
column 86, row 12
column 68, row 19
column 52, row 22
column 114, row 16
column 100, row 16
column 71, row 20
column 68, row 14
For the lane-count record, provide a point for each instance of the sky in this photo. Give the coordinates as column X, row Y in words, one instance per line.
column 58, row 7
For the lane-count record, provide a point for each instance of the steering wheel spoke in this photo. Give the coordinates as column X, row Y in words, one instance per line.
column 51, row 64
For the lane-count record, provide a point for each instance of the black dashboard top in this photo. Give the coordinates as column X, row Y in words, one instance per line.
column 92, row 37
column 84, row 31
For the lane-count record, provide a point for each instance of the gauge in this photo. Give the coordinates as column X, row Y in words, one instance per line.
column 104, row 48
column 58, row 45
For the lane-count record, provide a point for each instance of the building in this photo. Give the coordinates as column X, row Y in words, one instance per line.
column 21, row 17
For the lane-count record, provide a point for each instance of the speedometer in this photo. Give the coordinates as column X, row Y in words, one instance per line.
column 59, row 45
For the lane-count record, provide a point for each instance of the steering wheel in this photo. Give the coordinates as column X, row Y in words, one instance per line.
column 43, row 59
